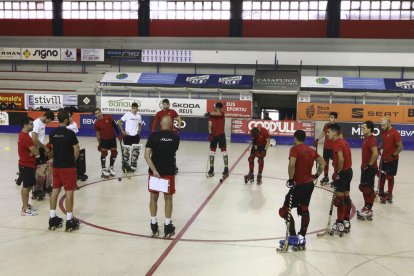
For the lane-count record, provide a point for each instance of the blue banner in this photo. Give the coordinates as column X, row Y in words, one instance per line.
column 399, row 84
column 363, row 83
column 212, row 80
column 157, row 79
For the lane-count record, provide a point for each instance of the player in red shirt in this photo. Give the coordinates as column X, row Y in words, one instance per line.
column 301, row 161
column 327, row 145
column 216, row 135
column 28, row 155
column 105, row 128
column 391, row 147
column 261, row 140
column 369, row 169
column 342, row 162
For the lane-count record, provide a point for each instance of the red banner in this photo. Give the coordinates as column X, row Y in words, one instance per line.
column 55, row 123
column 233, row 108
column 276, row 128
column 16, row 98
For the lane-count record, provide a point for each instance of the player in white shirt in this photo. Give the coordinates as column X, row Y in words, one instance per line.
column 133, row 123
column 39, row 132
column 72, row 124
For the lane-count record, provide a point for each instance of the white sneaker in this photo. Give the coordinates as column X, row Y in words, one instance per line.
column 33, row 208
column 105, row 172
column 111, row 171
column 28, row 212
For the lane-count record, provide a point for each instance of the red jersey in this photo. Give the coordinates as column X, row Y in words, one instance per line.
column 169, row 112
column 217, row 124
column 24, row 142
column 261, row 140
column 328, row 144
column 390, row 138
column 369, row 142
column 105, row 127
column 305, row 156
column 343, row 146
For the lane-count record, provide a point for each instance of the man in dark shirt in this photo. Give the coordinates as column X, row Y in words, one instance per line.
column 65, row 147
column 160, row 155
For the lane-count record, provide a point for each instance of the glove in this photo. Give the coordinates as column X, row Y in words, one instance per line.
column 261, row 154
column 390, row 158
column 335, row 176
column 367, row 166
column 207, row 114
column 315, row 143
column 119, row 137
column 291, row 183
column 99, row 147
column 39, row 160
column 315, row 176
column 210, row 137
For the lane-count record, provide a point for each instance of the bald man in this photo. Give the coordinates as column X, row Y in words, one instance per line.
column 391, row 147
column 160, row 155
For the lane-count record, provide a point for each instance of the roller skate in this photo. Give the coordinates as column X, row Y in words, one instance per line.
column 154, row 229
column 82, row 177
column 210, row 172
column 133, row 168
column 72, row 225
column 105, row 173
column 249, row 177
column 225, row 174
column 111, row 171
column 176, row 170
column 259, row 179
column 347, row 225
column 49, row 190
column 385, row 197
column 300, row 243
column 365, row 214
column 55, row 222
column 38, row 195
column 325, row 180
column 169, row 230
column 337, row 228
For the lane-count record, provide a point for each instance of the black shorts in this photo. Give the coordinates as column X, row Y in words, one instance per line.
column 344, row 183
column 389, row 168
column 301, row 195
column 327, row 154
column 129, row 140
column 108, row 144
column 220, row 140
column 28, row 175
column 368, row 176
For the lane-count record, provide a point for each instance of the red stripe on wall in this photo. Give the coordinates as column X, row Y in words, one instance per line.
column 22, row 27
column 377, row 29
column 190, row 28
column 98, row 27
column 284, row 28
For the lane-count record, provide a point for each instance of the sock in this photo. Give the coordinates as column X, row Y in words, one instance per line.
column 212, row 159
column 326, row 169
column 381, row 183
column 340, row 209
column 69, row 216
column 52, row 213
column 112, row 161
column 348, row 207
column 226, row 159
column 167, row 221
column 153, row 220
column 103, row 162
column 390, row 184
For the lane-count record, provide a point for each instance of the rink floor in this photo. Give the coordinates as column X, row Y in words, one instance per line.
column 221, row 229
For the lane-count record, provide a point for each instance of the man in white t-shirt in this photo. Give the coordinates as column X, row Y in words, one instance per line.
column 133, row 122
column 38, row 133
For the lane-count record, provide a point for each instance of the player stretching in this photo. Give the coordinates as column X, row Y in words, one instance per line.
column 300, row 184
column 327, row 146
column 261, row 141
column 106, row 127
column 369, row 169
column 342, row 162
column 392, row 146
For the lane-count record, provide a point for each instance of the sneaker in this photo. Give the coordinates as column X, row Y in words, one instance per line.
column 28, row 212
column 33, row 208
column 111, row 171
column 105, row 172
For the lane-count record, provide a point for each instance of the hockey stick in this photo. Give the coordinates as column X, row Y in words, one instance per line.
column 317, row 167
column 330, row 215
column 286, row 245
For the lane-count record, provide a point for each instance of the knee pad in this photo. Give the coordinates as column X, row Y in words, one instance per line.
column 212, row 153
column 104, row 152
column 389, row 177
column 223, row 150
column 339, row 201
column 114, row 152
column 365, row 189
column 260, row 161
column 303, row 210
column 251, row 158
column 283, row 212
column 213, row 150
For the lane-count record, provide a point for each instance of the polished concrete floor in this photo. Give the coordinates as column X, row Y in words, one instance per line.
column 228, row 228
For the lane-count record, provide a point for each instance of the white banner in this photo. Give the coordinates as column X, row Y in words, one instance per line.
column 40, row 53
column 150, row 106
column 116, row 77
column 92, row 55
column 321, row 82
column 68, row 54
column 11, row 53
column 53, row 102
column 4, row 118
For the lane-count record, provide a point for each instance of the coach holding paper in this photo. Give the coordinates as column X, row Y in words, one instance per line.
column 160, row 155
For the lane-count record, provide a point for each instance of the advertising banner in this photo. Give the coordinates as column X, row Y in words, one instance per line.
column 10, row 53
column 276, row 80
column 355, row 112
column 354, row 131
column 68, row 54
column 70, row 100
column 166, row 56
column 86, row 103
column 51, row 101
column 40, row 53
column 116, row 77
column 4, row 118
column 157, row 79
column 92, row 55
column 16, row 98
column 233, row 108
column 364, row 83
column 124, row 54
column 276, row 128
column 213, row 80
column 321, row 82
column 399, row 84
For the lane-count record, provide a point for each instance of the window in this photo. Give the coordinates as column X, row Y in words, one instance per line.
column 377, row 10
column 100, row 9
column 26, row 10
column 190, row 10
